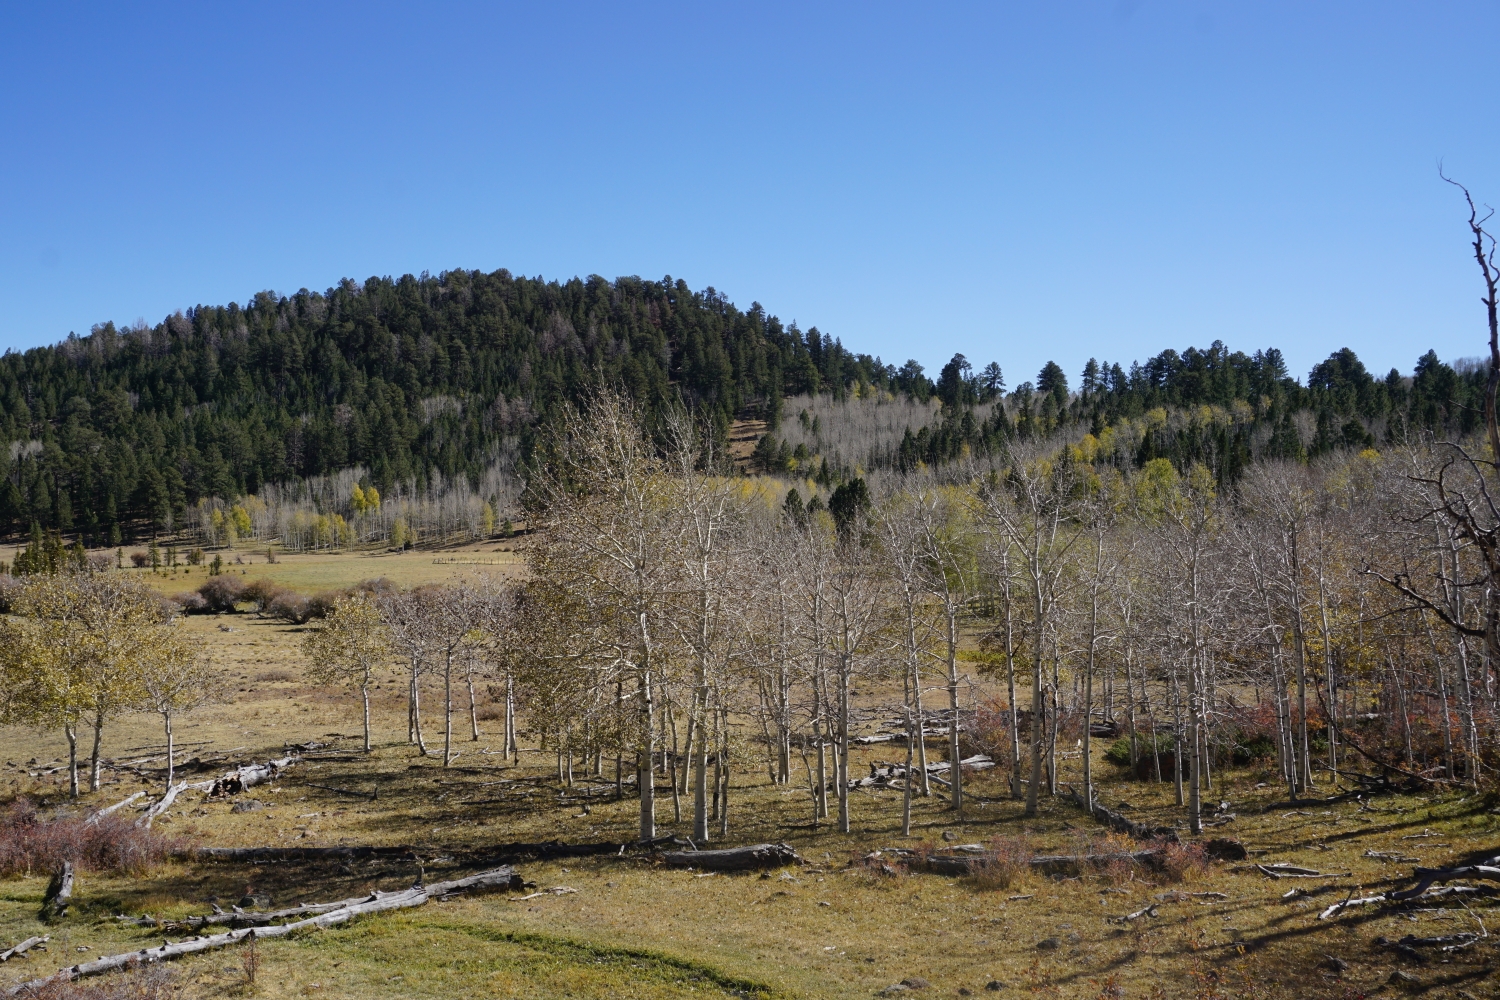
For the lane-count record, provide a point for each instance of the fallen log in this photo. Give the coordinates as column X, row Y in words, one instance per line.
column 1486, row 870
column 498, row 878
column 500, row 853
column 59, row 893
column 94, row 818
column 1284, row 870
column 1123, row 824
column 166, row 801
column 1046, row 864
column 23, row 947
column 1149, row 911
column 735, row 859
column 241, row 778
column 292, row 853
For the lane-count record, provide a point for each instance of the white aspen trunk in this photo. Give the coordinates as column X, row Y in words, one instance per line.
column 364, row 694
column 956, row 772
column 448, row 708
column 94, row 768
column 72, row 732
column 473, row 708
column 841, row 748
column 171, row 746
column 645, row 772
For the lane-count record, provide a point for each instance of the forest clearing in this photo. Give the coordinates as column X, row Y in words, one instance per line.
column 834, row 927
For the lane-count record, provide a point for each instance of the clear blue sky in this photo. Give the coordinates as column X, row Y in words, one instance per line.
column 1016, row 181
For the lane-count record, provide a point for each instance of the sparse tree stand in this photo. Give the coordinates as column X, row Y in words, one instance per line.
column 348, row 649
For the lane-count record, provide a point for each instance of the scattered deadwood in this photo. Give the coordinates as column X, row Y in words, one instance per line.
column 735, row 859
column 23, row 947
column 498, row 878
column 1124, row 824
column 1283, row 870
column 59, row 893
column 94, row 818
column 293, row 853
column 1045, row 864
column 233, row 783
column 1149, row 911
column 1408, row 946
column 1487, row 870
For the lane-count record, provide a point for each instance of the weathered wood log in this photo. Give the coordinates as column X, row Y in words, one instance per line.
column 23, row 947
column 1487, row 870
column 241, row 778
column 292, row 853
column 94, row 818
column 1283, row 870
column 1123, row 824
column 165, row 803
column 1046, row 864
column 499, row 878
column 735, row 859
column 1149, row 911
column 59, row 893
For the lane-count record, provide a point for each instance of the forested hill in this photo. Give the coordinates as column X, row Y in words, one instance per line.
column 111, row 433
column 401, row 376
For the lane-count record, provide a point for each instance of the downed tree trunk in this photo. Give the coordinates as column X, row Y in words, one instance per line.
column 166, row 801
column 1046, row 864
column 241, row 778
column 1123, row 824
column 292, row 853
column 23, row 947
column 498, row 878
column 59, row 893
column 735, row 859
column 94, row 818
column 1487, row 870
column 497, row 854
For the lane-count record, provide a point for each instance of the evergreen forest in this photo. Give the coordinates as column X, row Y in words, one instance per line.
column 115, row 435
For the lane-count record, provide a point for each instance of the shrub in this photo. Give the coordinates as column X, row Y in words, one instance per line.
column 29, row 844
column 261, row 592
column 1007, row 860
column 101, row 562
column 1181, row 862
column 221, row 593
column 191, row 603
column 274, row 677
column 289, row 607
column 140, row 560
column 318, row 605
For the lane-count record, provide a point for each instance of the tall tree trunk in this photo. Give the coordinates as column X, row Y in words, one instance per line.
column 71, row 729
column 364, row 695
column 94, row 769
column 171, row 747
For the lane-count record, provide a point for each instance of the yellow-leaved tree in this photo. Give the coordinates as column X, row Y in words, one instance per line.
column 349, row 648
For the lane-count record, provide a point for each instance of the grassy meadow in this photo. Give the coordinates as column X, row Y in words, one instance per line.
column 635, row 929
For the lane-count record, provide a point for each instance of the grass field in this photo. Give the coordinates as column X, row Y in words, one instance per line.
column 636, row 929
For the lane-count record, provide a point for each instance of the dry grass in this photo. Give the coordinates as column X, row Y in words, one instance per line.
column 635, row 929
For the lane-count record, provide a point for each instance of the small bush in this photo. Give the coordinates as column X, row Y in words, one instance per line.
column 318, row 605
column 1182, row 862
column 30, row 844
column 1119, row 751
column 191, row 603
column 1007, row 860
column 221, row 593
column 261, row 592
column 289, row 607
column 140, row 560
column 274, row 676
column 101, row 562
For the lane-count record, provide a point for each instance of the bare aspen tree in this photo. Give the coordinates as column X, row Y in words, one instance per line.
column 605, row 496
column 406, row 622
column 903, row 541
column 1031, row 508
column 349, row 647
column 950, row 564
